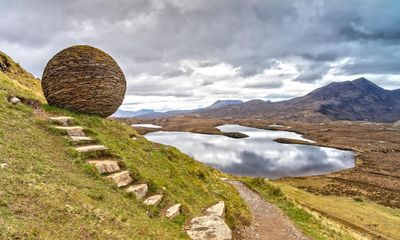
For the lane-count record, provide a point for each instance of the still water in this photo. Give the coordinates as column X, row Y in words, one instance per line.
column 257, row 155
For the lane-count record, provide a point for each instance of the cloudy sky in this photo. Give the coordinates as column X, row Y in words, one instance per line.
column 188, row 53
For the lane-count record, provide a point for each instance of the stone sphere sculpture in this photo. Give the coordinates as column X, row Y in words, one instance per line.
column 84, row 79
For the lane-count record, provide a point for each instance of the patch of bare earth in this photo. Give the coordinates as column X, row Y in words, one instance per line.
column 268, row 222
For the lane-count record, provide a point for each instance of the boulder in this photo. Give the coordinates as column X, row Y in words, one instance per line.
column 217, row 209
column 84, row 79
column 210, row 227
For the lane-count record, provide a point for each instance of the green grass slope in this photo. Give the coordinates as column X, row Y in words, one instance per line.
column 311, row 223
column 49, row 192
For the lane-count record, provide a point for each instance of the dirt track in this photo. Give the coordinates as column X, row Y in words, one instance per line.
column 268, row 222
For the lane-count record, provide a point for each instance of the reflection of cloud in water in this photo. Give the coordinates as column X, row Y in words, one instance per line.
column 257, row 155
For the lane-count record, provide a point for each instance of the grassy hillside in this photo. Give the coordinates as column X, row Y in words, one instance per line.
column 14, row 80
column 330, row 217
column 48, row 191
column 311, row 223
column 365, row 216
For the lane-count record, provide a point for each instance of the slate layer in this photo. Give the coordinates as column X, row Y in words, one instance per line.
column 84, row 79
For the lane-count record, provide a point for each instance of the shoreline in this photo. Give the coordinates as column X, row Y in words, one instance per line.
column 370, row 178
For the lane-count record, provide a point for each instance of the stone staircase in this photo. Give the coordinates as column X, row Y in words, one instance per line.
column 108, row 165
column 210, row 226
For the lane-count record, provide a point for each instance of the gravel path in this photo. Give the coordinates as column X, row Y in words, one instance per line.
column 268, row 222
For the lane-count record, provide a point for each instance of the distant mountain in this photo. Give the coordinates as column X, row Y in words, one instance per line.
column 396, row 93
column 165, row 114
column 128, row 114
column 221, row 103
column 359, row 99
column 217, row 104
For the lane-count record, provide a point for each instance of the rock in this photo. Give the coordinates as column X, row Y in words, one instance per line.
column 61, row 120
column 276, row 126
column 75, row 131
column 91, row 148
column 209, row 227
column 105, row 166
column 173, row 211
column 140, row 190
column 81, row 139
column 121, row 178
column 84, row 79
column 14, row 100
column 217, row 210
column 3, row 165
column 153, row 200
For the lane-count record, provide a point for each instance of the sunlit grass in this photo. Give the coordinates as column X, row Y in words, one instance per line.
column 311, row 223
column 47, row 191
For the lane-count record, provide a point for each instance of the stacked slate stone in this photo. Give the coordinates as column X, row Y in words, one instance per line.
column 84, row 79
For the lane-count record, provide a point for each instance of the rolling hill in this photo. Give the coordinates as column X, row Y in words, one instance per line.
column 48, row 191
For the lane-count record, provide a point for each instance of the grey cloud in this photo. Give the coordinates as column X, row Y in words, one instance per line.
column 156, row 87
column 169, row 93
column 320, row 57
column 175, row 73
column 153, row 37
column 207, row 82
column 312, row 72
column 207, row 63
column 387, row 64
column 310, row 76
column 268, row 84
column 280, row 95
column 246, row 34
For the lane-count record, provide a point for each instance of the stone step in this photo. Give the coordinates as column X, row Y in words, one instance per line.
column 140, row 190
column 63, row 120
column 75, row 131
column 122, row 178
column 173, row 211
column 209, row 227
column 217, row 209
column 153, row 200
column 91, row 148
column 105, row 166
column 81, row 139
